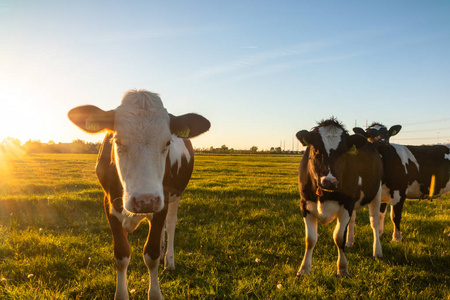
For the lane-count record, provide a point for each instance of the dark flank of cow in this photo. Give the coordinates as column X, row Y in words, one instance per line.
column 144, row 165
column 415, row 172
column 338, row 174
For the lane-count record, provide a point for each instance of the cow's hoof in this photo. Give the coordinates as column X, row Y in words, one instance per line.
column 343, row 273
column 378, row 256
column 349, row 244
column 302, row 273
column 155, row 295
column 169, row 269
column 397, row 236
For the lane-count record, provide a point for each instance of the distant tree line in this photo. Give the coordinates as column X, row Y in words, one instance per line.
column 36, row 146
column 80, row 146
column 253, row 150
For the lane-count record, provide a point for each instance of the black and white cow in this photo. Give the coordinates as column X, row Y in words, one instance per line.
column 338, row 173
column 144, row 165
column 408, row 171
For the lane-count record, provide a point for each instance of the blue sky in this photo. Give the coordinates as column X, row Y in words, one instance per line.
column 258, row 70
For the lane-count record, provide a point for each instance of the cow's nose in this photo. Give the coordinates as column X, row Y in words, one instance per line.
column 329, row 183
column 146, row 203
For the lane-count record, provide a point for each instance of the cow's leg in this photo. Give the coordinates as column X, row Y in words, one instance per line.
column 351, row 231
column 396, row 216
column 171, row 222
column 383, row 210
column 163, row 245
column 343, row 219
column 311, row 239
column 374, row 213
column 121, row 254
column 152, row 251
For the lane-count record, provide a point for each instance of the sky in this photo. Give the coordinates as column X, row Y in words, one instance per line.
column 260, row 71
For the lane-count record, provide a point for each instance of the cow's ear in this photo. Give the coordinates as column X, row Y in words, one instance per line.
column 359, row 130
column 305, row 137
column 188, row 125
column 92, row 119
column 356, row 140
column 394, row 130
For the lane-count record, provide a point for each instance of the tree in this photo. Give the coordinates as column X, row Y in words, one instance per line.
column 224, row 149
column 253, row 149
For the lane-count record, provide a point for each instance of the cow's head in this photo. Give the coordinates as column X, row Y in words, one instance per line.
column 378, row 134
column 142, row 134
column 329, row 149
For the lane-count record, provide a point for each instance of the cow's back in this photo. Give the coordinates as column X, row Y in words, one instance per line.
column 432, row 160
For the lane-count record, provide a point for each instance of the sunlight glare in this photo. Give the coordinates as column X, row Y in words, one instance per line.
column 432, row 184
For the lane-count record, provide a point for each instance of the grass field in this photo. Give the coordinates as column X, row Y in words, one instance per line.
column 240, row 235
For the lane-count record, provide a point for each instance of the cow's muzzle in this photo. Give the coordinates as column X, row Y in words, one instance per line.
column 145, row 203
column 329, row 184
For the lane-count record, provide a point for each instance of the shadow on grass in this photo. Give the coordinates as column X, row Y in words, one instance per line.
column 47, row 213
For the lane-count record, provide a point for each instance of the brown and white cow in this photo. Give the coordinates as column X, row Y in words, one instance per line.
column 407, row 171
column 338, row 174
column 144, row 165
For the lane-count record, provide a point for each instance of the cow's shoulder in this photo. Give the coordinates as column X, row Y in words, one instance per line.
column 307, row 187
column 181, row 162
column 107, row 173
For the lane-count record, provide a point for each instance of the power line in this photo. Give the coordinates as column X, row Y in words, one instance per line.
column 424, row 130
column 426, row 122
column 425, row 138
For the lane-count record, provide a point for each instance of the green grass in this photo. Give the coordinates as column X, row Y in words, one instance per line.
column 240, row 235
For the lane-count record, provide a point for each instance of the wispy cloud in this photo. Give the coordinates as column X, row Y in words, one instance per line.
column 338, row 48
column 282, row 67
column 260, row 58
column 156, row 33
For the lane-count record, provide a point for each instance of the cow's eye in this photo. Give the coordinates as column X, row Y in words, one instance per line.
column 119, row 146
column 167, row 146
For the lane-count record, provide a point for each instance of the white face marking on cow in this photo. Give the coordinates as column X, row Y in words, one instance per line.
column 331, row 137
column 405, row 156
column 177, row 151
column 377, row 127
column 141, row 142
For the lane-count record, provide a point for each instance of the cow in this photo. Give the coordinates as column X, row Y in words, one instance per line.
column 408, row 171
column 144, row 165
column 338, row 174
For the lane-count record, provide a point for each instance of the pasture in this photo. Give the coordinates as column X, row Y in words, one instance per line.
column 240, row 235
